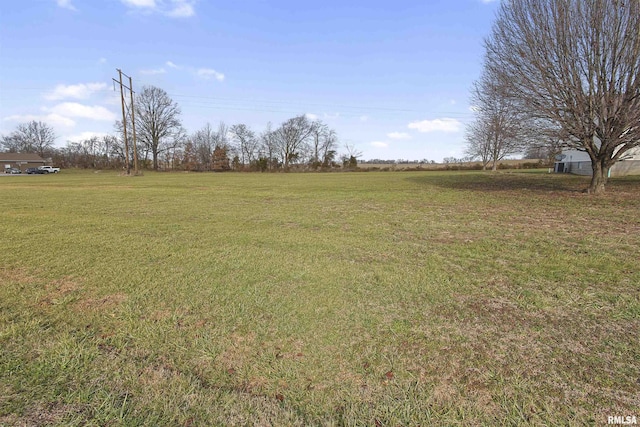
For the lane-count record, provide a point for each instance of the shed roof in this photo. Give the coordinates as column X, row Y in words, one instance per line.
column 20, row 157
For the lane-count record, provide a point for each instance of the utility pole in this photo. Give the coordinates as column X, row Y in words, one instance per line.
column 133, row 125
column 124, row 122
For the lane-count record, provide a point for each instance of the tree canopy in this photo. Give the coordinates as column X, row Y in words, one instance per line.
column 32, row 137
column 574, row 64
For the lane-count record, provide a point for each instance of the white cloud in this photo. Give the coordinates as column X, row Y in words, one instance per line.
column 113, row 99
column 153, row 72
column 203, row 73
column 379, row 144
column 102, row 60
column 66, row 4
column 398, row 135
column 364, row 118
column 181, row 9
column 74, row 109
column 207, row 73
column 170, row 8
column 83, row 136
column 52, row 119
column 325, row 116
column 79, row 91
column 140, row 3
column 437, row 125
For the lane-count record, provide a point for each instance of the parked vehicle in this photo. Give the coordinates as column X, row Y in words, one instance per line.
column 13, row 171
column 32, row 171
column 49, row 169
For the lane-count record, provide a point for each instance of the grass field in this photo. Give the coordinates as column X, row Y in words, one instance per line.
column 418, row 298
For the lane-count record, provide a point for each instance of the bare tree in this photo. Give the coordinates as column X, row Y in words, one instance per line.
column 545, row 140
column 189, row 156
column 577, row 64
column 113, row 151
column 158, row 122
column 32, row 137
column 221, row 137
column 498, row 130
column 204, row 142
column 246, row 142
column 95, row 152
column 328, row 149
column 269, row 147
column 317, row 136
column 478, row 139
column 292, row 137
column 324, row 144
column 221, row 151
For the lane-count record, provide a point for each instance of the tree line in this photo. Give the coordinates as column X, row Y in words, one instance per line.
column 163, row 143
column 560, row 74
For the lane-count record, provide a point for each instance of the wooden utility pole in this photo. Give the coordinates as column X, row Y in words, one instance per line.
column 124, row 123
column 133, row 125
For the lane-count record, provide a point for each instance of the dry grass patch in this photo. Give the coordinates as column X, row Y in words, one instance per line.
column 105, row 303
column 59, row 292
column 16, row 275
column 49, row 414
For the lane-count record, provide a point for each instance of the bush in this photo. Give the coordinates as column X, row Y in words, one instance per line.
column 533, row 165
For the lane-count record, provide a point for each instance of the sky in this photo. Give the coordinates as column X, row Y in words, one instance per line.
column 392, row 78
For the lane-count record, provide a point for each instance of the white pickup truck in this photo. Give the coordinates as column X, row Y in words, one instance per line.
column 49, row 169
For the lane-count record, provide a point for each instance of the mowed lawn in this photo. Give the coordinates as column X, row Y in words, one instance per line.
column 381, row 299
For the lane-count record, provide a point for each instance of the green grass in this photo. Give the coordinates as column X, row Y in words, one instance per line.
column 419, row 298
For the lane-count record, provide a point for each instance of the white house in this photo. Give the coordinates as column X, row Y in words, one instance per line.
column 578, row 162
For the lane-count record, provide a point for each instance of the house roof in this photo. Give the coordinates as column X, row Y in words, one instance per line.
column 20, row 157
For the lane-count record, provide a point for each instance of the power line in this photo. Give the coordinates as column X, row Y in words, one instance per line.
column 258, row 101
column 329, row 107
column 267, row 104
column 284, row 106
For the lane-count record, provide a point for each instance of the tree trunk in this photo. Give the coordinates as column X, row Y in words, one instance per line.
column 599, row 177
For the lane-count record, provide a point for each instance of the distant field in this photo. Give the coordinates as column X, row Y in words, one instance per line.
column 421, row 298
column 506, row 164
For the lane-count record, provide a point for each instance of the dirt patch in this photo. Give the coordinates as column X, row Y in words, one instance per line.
column 58, row 292
column 16, row 275
column 159, row 315
column 238, row 353
column 46, row 414
column 155, row 375
column 107, row 302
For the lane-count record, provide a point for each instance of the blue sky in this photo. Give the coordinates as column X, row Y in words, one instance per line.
column 391, row 77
